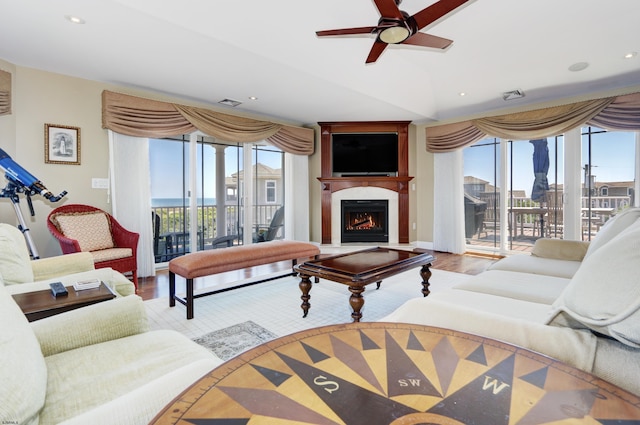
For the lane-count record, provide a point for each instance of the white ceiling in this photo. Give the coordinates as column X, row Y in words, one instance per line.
column 209, row 50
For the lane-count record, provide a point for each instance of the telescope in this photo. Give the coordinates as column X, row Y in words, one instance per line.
column 26, row 181
column 20, row 180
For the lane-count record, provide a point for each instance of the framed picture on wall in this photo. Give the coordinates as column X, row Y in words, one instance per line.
column 61, row 144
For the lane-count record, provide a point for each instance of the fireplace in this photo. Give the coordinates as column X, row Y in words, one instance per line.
column 364, row 220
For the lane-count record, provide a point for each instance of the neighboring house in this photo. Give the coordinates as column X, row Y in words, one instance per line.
column 269, row 186
column 475, row 186
column 610, row 194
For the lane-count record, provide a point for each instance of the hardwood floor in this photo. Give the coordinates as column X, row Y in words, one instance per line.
column 158, row 286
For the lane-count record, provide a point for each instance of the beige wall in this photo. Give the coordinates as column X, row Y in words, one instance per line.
column 41, row 97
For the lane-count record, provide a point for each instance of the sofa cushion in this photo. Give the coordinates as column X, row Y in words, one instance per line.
column 516, row 285
column 574, row 347
column 604, row 294
column 537, row 265
column 612, row 228
column 15, row 261
column 92, row 230
column 560, row 249
column 23, row 371
column 88, row 377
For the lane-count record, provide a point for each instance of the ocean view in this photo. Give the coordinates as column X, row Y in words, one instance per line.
column 178, row 202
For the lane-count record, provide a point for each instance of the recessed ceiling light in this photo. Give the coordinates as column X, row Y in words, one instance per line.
column 462, row 93
column 230, row 102
column 74, row 19
column 631, row 55
column 253, row 98
column 578, row 66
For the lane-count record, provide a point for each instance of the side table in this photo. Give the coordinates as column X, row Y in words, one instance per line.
column 37, row 305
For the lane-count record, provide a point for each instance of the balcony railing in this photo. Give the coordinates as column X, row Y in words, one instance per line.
column 601, row 208
column 171, row 238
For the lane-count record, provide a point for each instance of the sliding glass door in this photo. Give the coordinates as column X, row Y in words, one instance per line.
column 536, row 198
column 225, row 202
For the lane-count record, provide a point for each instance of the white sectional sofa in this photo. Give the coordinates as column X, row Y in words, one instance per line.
column 574, row 301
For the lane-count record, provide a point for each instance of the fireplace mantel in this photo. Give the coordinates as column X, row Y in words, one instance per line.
column 334, row 184
column 399, row 184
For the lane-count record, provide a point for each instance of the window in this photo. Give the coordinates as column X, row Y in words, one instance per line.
column 218, row 186
column 482, row 193
column 171, row 196
column 607, row 185
column 268, row 184
column 271, row 191
column 608, row 179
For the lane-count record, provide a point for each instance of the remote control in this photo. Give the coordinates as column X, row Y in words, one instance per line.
column 58, row 289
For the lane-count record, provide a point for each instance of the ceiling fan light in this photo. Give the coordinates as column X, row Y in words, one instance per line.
column 394, row 35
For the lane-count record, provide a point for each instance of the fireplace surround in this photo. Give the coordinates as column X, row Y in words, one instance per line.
column 393, row 188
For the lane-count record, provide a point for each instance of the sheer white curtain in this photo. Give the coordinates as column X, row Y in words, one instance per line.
column 131, row 193
column 448, row 232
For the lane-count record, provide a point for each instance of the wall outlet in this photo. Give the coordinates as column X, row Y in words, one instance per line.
column 97, row 183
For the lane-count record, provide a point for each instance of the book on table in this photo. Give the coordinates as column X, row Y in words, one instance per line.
column 81, row 285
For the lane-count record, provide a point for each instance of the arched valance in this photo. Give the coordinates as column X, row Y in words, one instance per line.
column 5, row 93
column 614, row 113
column 135, row 116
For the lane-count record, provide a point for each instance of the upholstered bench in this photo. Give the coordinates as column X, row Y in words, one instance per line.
column 207, row 263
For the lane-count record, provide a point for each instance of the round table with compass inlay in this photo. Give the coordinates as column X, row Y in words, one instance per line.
column 397, row 373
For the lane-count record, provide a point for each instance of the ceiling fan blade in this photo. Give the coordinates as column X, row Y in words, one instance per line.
column 436, row 11
column 376, row 51
column 347, row 31
column 427, row 40
column 388, row 9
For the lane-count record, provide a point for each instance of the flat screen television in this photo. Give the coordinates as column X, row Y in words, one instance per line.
column 374, row 154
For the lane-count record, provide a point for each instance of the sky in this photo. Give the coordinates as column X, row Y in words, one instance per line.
column 612, row 158
column 165, row 157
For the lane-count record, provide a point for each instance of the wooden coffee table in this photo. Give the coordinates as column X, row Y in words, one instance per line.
column 396, row 373
column 40, row 304
column 360, row 268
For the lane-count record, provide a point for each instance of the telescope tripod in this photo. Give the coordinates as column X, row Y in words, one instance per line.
column 11, row 191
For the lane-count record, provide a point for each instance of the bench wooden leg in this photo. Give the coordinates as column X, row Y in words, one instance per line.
column 172, row 289
column 189, row 299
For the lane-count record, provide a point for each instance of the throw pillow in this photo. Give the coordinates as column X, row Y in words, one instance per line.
column 92, row 230
column 15, row 261
column 604, row 294
column 612, row 228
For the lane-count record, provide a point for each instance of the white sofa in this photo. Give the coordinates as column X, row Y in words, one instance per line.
column 574, row 301
column 95, row 365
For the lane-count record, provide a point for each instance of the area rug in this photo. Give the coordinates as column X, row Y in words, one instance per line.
column 229, row 342
column 275, row 305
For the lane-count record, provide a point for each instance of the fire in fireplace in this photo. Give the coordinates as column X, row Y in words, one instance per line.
column 365, row 221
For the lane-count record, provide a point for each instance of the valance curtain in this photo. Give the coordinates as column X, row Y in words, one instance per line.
column 135, row 116
column 5, row 93
column 614, row 113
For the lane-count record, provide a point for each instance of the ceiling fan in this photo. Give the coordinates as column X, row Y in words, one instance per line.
column 397, row 27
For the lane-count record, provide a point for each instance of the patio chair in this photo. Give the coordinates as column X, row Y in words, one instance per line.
column 85, row 228
column 264, row 234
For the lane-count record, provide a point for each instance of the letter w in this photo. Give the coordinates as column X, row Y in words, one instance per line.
column 493, row 383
